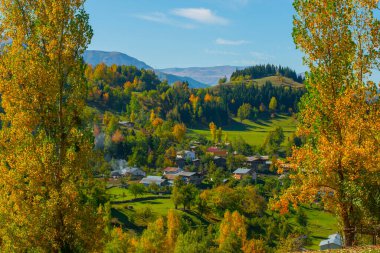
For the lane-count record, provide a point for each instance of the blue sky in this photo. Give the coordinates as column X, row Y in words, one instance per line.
column 189, row 33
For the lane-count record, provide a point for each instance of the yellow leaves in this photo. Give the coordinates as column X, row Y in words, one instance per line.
column 157, row 122
column 179, row 131
column 46, row 158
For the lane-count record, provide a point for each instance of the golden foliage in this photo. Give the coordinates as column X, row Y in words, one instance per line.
column 340, row 115
column 46, row 197
column 179, row 131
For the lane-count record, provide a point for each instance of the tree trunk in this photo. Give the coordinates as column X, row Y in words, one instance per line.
column 348, row 230
column 349, row 237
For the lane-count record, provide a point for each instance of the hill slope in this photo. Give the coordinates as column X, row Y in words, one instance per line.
column 95, row 57
column 275, row 80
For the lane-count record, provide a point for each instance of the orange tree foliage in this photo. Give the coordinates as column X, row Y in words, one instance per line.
column 233, row 234
column 340, row 116
column 117, row 137
column 47, row 201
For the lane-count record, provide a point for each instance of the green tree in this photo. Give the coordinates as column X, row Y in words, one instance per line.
column 222, row 80
column 136, row 189
column 47, row 201
column 189, row 192
column 273, row 104
column 219, row 135
column 244, row 112
column 274, row 140
column 177, row 194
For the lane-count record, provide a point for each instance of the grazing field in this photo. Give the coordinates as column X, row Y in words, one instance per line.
column 136, row 214
column 321, row 225
column 275, row 80
column 253, row 132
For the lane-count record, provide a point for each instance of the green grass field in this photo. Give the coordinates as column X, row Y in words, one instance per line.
column 321, row 225
column 275, row 80
column 254, row 133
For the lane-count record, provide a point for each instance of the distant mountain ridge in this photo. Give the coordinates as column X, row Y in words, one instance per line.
column 95, row 57
column 207, row 75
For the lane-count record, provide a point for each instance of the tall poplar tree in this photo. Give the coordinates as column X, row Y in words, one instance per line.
column 47, row 201
column 340, row 115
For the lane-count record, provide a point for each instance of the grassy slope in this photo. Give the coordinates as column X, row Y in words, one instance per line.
column 159, row 206
column 321, row 225
column 275, row 80
column 254, row 133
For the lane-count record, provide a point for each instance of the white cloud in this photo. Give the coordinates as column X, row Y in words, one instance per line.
column 159, row 17
column 201, row 15
column 155, row 17
column 225, row 42
column 218, row 52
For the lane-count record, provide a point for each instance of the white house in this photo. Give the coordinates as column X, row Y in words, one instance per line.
column 333, row 242
column 187, row 155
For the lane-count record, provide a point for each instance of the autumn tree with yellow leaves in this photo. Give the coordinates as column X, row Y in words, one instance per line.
column 47, row 201
column 340, row 115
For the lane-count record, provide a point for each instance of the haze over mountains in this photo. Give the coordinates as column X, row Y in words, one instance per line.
column 207, row 75
column 197, row 77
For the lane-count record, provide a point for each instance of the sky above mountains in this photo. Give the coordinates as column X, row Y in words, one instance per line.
column 187, row 33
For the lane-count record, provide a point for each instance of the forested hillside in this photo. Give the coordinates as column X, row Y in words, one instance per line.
column 133, row 91
column 111, row 158
column 261, row 71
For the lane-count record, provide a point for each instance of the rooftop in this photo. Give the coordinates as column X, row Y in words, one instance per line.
column 152, row 179
column 242, row 171
column 187, row 174
column 171, row 169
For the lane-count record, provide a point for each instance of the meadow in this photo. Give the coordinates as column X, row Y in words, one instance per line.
column 131, row 214
column 253, row 132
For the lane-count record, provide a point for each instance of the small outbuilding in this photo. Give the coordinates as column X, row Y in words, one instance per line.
column 242, row 172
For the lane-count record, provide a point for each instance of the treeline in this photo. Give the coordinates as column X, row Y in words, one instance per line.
column 135, row 93
column 261, row 71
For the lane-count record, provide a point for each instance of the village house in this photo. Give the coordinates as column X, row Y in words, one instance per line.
column 115, row 174
column 215, row 151
column 243, row 172
column 187, row 155
column 220, row 161
column 149, row 180
column 172, row 170
column 180, row 162
column 133, row 172
column 191, row 177
column 258, row 162
column 197, row 162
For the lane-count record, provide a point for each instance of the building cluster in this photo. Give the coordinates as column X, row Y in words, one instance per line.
column 188, row 158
